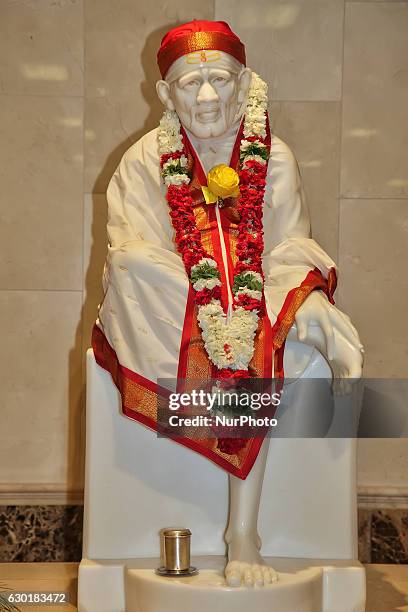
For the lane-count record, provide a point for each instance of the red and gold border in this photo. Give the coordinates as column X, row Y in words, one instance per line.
column 296, row 297
column 140, row 401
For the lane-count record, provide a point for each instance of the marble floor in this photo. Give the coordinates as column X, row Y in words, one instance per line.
column 387, row 585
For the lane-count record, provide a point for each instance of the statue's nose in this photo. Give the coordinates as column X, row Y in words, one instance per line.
column 207, row 93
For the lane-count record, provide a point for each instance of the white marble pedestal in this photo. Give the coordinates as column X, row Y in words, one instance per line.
column 136, row 484
column 305, row 585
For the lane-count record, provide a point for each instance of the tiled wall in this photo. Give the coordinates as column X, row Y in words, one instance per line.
column 41, row 236
column 77, row 88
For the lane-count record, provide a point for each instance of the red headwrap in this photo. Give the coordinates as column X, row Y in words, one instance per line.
column 198, row 35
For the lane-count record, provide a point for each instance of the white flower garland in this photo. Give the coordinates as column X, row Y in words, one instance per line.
column 169, row 134
column 229, row 343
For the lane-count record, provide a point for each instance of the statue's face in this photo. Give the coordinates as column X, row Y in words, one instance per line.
column 206, row 100
column 208, row 97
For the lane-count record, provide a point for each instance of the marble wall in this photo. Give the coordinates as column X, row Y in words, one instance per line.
column 77, row 88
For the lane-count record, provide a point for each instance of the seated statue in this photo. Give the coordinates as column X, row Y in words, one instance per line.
column 210, row 262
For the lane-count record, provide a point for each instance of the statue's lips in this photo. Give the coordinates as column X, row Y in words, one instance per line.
column 208, row 115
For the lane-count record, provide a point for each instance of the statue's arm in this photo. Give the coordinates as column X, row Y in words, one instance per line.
column 288, row 239
column 137, row 209
column 290, row 254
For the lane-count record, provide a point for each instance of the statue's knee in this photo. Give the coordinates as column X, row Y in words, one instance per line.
column 130, row 256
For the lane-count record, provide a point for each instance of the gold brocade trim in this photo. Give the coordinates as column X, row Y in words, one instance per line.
column 139, row 398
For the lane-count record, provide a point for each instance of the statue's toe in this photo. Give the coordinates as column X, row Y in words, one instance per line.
column 233, row 574
column 273, row 575
column 258, row 575
column 238, row 573
column 248, row 576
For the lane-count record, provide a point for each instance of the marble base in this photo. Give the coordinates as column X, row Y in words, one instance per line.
column 387, row 585
column 304, row 585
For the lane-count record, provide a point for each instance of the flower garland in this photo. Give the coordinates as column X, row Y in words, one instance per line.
column 229, row 342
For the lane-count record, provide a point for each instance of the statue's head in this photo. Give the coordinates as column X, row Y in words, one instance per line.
column 204, row 76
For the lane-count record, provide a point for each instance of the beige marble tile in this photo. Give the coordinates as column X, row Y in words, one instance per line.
column 296, row 46
column 317, row 152
column 41, row 47
column 387, row 588
column 41, row 158
column 40, row 365
column 375, row 100
column 40, row 571
column 373, row 284
column 112, row 125
column 121, row 76
column 95, row 249
column 122, row 42
column 383, row 465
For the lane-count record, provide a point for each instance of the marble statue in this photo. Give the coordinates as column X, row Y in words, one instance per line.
column 211, row 266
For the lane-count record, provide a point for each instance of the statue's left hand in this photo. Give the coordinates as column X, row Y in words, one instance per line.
column 321, row 324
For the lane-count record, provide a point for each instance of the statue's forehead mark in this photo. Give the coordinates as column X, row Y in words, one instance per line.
column 200, row 57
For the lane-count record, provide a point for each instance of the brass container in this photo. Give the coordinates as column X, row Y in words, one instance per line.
column 175, row 552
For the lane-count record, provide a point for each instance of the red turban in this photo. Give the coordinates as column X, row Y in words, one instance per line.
column 198, row 35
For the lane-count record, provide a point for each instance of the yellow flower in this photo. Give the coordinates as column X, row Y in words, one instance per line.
column 223, row 181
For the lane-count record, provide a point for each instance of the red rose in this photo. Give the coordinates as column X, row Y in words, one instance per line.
column 248, row 303
column 206, row 295
column 167, row 156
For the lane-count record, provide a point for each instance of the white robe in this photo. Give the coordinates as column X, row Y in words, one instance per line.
column 145, row 282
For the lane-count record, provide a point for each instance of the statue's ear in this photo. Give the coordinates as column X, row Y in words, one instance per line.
column 163, row 91
column 244, row 82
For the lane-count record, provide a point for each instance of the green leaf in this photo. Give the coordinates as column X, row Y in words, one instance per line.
column 204, row 271
column 255, row 149
column 246, row 280
column 175, row 168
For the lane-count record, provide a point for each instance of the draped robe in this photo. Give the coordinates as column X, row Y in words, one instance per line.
column 146, row 328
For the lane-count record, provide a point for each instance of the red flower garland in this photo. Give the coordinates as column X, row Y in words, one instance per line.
column 250, row 244
column 249, row 248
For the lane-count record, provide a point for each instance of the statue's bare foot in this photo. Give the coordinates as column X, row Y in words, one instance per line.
column 245, row 565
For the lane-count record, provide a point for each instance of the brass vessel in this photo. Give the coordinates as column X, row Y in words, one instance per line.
column 175, row 552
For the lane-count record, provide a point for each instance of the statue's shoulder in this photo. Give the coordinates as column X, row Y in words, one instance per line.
column 144, row 151
column 282, row 159
column 281, row 151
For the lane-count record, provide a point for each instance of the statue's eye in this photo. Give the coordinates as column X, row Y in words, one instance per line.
column 219, row 80
column 191, row 84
